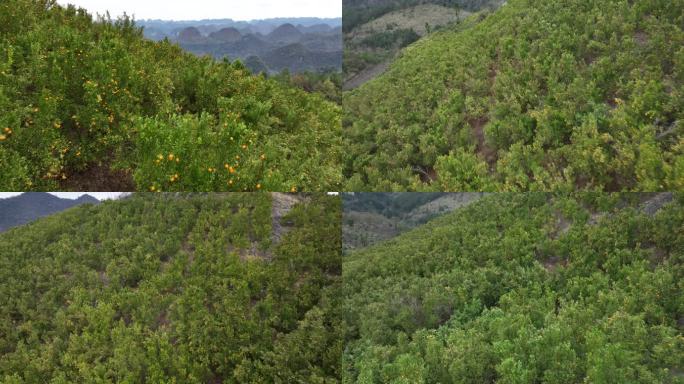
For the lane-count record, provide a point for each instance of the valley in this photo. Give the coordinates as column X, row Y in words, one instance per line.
column 369, row 218
column 376, row 31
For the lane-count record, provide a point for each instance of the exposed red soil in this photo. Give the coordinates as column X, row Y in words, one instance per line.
column 487, row 152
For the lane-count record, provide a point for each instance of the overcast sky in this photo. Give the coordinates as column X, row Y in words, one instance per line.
column 212, row 9
column 70, row 195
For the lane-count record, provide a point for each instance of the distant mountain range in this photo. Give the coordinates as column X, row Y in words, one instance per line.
column 27, row 207
column 272, row 45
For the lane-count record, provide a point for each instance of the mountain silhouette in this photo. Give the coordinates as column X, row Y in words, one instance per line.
column 190, row 34
column 266, row 46
column 286, row 33
column 226, row 35
column 27, row 207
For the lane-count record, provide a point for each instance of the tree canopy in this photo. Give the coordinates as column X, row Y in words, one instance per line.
column 537, row 95
column 173, row 288
column 84, row 98
column 523, row 288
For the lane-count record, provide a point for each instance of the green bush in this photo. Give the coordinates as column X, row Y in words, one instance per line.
column 583, row 96
column 522, row 288
column 463, row 171
column 390, row 39
column 77, row 93
column 171, row 288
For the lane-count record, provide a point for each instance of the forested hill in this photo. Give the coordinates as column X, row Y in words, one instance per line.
column 357, row 12
column 538, row 95
column 376, row 30
column 390, row 204
column 173, row 288
column 92, row 105
column 523, row 288
column 29, row 206
column 368, row 218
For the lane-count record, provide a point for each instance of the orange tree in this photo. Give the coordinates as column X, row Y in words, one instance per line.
column 75, row 93
column 538, row 95
column 186, row 288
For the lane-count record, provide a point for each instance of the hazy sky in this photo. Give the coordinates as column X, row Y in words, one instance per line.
column 212, row 9
column 70, row 195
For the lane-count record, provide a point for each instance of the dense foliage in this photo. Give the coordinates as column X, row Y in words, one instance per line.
column 538, row 95
column 523, row 288
column 328, row 84
column 77, row 94
column 166, row 288
column 388, row 39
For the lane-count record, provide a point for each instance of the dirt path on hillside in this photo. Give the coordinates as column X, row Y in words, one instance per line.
column 654, row 203
column 366, row 75
column 282, row 203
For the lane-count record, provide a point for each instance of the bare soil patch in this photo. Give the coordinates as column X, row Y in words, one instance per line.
column 98, row 177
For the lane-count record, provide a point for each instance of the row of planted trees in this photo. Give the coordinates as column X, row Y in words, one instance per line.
column 533, row 96
column 161, row 288
column 522, row 289
column 514, row 288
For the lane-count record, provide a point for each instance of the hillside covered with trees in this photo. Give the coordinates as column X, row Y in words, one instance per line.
column 375, row 30
column 523, row 288
column 174, row 288
column 368, row 218
column 359, row 12
column 92, row 105
column 537, row 95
